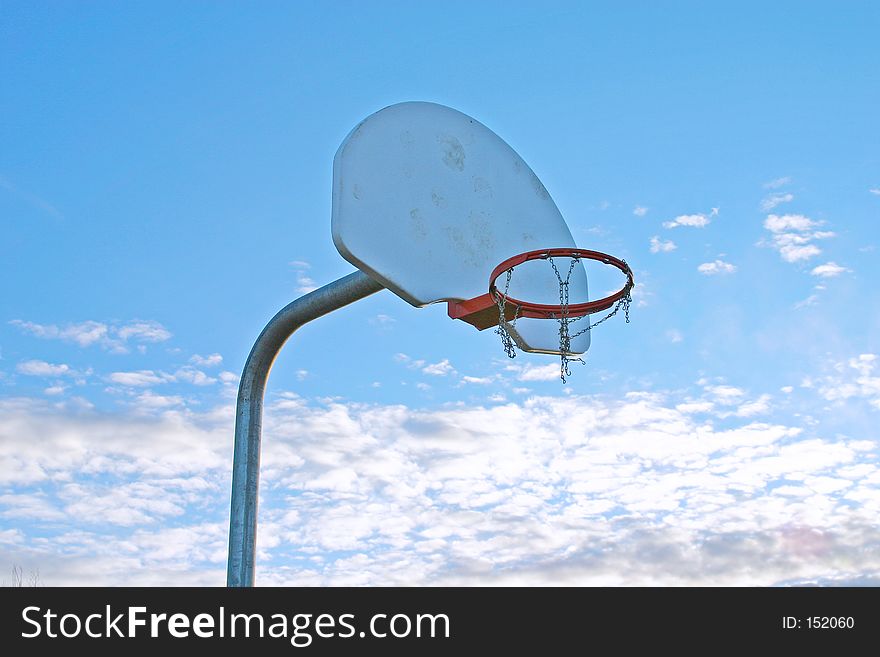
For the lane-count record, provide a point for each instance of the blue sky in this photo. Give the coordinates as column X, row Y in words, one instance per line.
column 165, row 180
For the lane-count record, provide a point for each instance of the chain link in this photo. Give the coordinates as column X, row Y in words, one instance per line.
column 565, row 336
column 503, row 325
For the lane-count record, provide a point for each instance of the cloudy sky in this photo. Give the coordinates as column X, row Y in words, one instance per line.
column 165, row 188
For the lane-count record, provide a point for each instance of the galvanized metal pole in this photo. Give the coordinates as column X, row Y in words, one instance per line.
column 249, row 412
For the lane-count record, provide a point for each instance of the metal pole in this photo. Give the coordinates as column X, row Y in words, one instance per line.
column 249, row 411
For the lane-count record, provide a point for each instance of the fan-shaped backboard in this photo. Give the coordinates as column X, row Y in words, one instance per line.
column 428, row 201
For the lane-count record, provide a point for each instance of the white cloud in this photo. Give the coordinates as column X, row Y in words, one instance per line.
column 35, row 505
column 691, row 407
column 777, row 183
column 134, row 503
column 193, row 376
column 228, row 377
column 83, row 334
column 42, row 368
column 758, row 406
column 112, row 337
column 147, row 378
column 773, row 200
column 530, row 372
column 212, row 360
column 439, row 369
column 792, row 236
column 875, row 191
column 304, row 283
column 795, row 253
column 143, row 331
column 716, row 267
column 147, row 402
column 811, row 300
column 853, row 379
column 11, row 537
column 725, row 394
column 789, row 222
column 660, row 246
column 413, row 364
column 52, row 444
column 643, row 489
column 138, row 379
column 863, row 364
column 674, row 336
column 828, row 270
column 640, row 211
column 478, row 380
column 693, row 220
column 383, row 321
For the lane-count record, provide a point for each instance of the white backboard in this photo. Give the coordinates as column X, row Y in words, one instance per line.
column 428, row 201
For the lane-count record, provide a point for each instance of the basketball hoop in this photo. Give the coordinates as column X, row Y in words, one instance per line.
column 507, row 309
column 408, row 218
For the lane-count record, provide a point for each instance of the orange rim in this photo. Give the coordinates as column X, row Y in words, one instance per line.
column 552, row 311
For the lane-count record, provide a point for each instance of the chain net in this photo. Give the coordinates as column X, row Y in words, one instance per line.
column 566, row 356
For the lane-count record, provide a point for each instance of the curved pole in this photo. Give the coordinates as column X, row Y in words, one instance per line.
column 249, row 411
